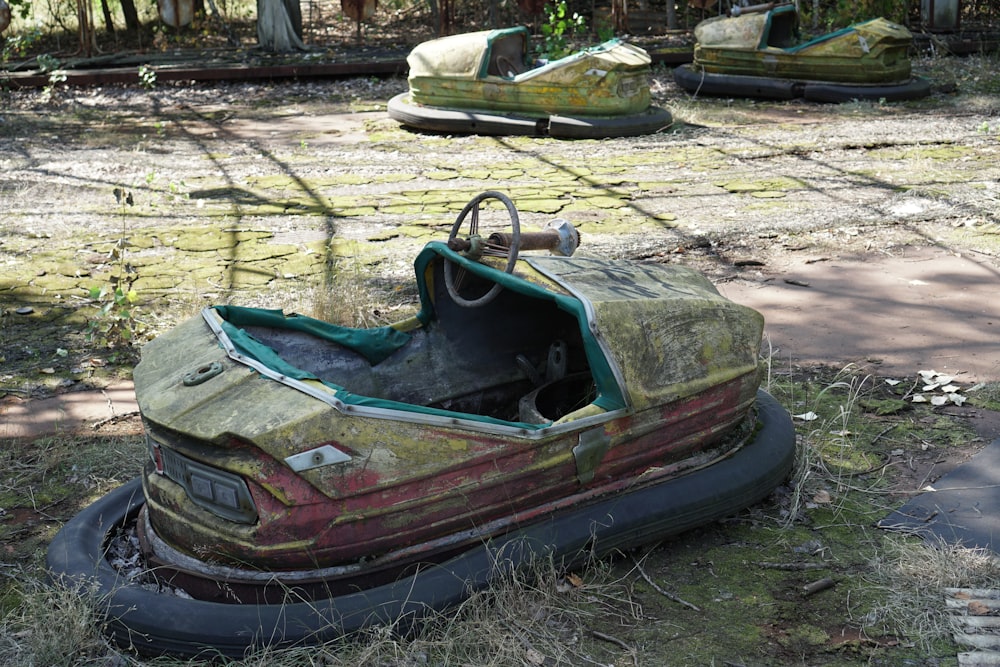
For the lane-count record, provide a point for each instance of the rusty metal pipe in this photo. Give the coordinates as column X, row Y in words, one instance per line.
column 559, row 237
column 546, row 240
column 765, row 7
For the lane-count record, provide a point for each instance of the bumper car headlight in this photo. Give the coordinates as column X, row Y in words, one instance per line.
column 217, row 491
column 628, row 87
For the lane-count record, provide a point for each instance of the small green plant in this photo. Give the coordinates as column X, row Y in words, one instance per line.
column 47, row 62
column 558, row 26
column 17, row 46
column 604, row 30
column 56, row 78
column 116, row 324
column 147, row 77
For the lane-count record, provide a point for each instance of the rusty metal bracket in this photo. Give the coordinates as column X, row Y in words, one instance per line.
column 589, row 452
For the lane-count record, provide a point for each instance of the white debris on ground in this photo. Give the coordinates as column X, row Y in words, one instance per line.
column 935, row 388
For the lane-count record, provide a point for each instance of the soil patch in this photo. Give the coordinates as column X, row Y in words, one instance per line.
column 917, row 308
column 111, row 410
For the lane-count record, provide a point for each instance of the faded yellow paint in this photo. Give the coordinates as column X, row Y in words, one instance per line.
column 871, row 52
column 590, row 410
column 607, row 80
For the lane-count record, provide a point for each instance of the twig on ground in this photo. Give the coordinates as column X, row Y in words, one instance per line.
column 115, row 419
column 617, row 642
column 882, row 433
column 666, row 594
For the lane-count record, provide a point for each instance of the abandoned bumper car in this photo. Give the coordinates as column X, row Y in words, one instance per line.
column 483, row 83
column 307, row 480
column 758, row 51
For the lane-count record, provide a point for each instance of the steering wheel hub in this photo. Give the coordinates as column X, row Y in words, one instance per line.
column 475, row 247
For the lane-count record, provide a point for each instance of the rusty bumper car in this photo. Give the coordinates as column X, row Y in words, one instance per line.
column 759, row 51
column 484, row 83
column 306, row 480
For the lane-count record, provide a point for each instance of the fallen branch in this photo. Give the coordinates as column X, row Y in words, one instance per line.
column 817, row 586
column 791, row 566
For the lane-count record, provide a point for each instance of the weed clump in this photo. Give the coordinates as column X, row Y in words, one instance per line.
column 117, row 324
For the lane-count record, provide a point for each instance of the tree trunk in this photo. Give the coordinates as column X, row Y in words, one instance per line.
column 435, row 15
column 131, row 16
column 85, row 27
column 279, row 25
column 619, row 16
column 109, row 23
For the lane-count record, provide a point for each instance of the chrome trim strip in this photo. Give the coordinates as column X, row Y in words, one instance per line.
column 325, row 394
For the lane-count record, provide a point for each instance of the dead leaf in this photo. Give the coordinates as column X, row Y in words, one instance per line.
column 568, row 583
column 822, row 497
column 533, row 657
column 977, row 608
column 48, row 371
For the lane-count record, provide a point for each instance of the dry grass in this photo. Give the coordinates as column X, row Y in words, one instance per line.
column 51, row 627
column 353, row 296
column 534, row 616
column 913, row 576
